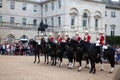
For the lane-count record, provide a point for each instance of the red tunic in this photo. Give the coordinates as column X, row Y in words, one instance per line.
column 52, row 39
column 102, row 38
column 67, row 39
column 60, row 39
column 78, row 38
column 87, row 38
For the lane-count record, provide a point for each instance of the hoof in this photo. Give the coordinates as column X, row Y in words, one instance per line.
column 94, row 73
column 86, row 67
column 52, row 64
column 34, row 61
column 101, row 69
column 110, row 72
column 79, row 70
column 90, row 72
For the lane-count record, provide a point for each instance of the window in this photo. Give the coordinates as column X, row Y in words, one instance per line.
column 52, row 6
column 113, row 30
column 59, row 4
column 12, row 5
column 46, row 7
column 35, row 22
column 59, row 20
column 113, row 14
column 96, row 23
column 52, row 21
column 105, row 13
column 24, row 21
column 24, row 6
column 12, row 19
column 0, row 18
column 72, row 20
column 35, row 8
column 0, row 3
column 85, row 17
column 45, row 21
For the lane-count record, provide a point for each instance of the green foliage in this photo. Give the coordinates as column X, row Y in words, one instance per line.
column 113, row 40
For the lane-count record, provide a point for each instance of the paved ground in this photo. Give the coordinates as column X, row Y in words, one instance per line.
column 22, row 68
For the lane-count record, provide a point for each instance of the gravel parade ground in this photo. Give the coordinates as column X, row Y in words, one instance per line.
column 23, row 68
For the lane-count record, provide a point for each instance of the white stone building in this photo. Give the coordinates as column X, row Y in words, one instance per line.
column 22, row 17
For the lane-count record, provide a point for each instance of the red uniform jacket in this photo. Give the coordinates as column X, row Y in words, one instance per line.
column 78, row 38
column 67, row 39
column 60, row 39
column 87, row 38
column 52, row 39
column 102, row 38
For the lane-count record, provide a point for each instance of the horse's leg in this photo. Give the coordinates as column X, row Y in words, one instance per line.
column 61, row 55
column 38, row 56
column 52, row 59
column 47, row 58
column 71, row 62
column 91, row 62
column 55, row 58
column 74, row 60
column 80, row 65
column 101, row 64
column 94, row 68
column 72, row 65
column 35, row 58
column 87, row 63
column 112, row 63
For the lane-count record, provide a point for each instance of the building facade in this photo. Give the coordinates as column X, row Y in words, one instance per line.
column 21, row 18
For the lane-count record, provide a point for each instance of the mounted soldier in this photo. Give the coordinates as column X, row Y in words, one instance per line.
column 87, row 37
column 78, row 38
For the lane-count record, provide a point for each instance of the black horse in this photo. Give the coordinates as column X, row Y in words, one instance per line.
column 92, row 52
column 52, row 51
column 35, row 48
column 42, row 28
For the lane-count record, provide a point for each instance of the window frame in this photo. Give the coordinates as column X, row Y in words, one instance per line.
column 35, row 22
column 24, row 21
column 35, row 7
column 12, row 19
column 46, row 8
column 12, row 5
column 24, row 6
column 52, row 6
column 59, row 4
column 1, row 3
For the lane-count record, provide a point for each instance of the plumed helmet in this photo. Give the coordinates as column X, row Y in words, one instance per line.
column 77, row 33
column 86, row 31
column 66, row 33
column 59, row 33
column 51, row 34
column 100, row 32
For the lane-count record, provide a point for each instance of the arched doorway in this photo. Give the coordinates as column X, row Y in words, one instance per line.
column 10, row 38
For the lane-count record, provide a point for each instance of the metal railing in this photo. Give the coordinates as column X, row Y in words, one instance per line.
column 18, row 25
